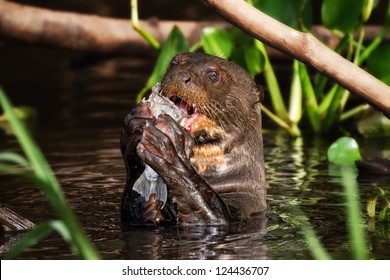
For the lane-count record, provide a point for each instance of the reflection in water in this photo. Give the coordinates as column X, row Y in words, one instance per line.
column 206, row 242
column 79, row 134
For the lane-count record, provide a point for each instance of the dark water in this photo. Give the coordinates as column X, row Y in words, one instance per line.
column 80, row 117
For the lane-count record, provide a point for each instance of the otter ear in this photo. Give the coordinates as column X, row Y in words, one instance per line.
column 259, row 91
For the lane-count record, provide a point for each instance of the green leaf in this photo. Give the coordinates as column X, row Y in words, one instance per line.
column 217, row 41
column 382, row 192
column 44, row 176
column 273, row 86
column 384, row 214
column 344, row 151
column 378, row 63
column 175, row 43
column 310, row 99
column 294, row 13
column 371, row 205
column 245, row 52
column 367, row 10
column 330, row 107
column 342, row 15
column 14, row 158
column 295, row 109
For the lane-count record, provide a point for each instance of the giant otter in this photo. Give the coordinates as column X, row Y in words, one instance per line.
column 213, row 162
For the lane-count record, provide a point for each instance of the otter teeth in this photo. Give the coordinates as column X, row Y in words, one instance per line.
column 183, row 105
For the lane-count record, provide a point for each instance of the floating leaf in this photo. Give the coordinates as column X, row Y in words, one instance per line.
column 344, row 151
column 343, row 15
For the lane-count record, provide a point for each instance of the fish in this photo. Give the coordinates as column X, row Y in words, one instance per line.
column 150, row 182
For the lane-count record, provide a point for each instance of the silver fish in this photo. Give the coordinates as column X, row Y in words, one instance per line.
column 150, row 182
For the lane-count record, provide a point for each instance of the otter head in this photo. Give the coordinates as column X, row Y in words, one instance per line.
column 219, row 96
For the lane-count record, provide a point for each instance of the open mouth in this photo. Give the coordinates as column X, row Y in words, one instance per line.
column 184, row 106
column 191, row 110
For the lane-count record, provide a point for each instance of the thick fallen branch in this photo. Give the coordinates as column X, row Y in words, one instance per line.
column 11, row 221
column 306, row 48
column 85, row 32
column 105, row 35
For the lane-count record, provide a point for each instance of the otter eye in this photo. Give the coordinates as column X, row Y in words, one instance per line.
column 213, row 76
column 174, row 62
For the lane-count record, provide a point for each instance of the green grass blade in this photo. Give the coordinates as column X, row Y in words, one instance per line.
column 310, row 99
column 29, row 239
column 315, row 246
column 356, row 230
column 354, row 112
column 9, row 169
column 378, row 40
column 325, row 104
column 334, row 109
column 273, row 86
column 137, row 26
column 34, row 155
column 295, row 109
column 14, row 158
column 62, row 229
column 292, row 130
column 47, row 181
column 39, row 233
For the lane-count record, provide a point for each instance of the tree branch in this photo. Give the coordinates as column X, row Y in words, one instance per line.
column 106, row 35
column 86, row 32
column 306, row 48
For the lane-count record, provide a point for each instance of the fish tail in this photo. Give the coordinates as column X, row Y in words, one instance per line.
column 145, row 188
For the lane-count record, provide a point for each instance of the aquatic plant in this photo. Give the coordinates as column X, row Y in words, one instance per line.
column 381, row 195
column 314, row 101
column 35, row 168
column 344, row 151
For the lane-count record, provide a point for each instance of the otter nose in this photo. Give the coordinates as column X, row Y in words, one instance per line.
column 184, row 76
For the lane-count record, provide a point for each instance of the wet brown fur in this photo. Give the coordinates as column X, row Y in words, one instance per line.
column 219, row 178
column 232, row 122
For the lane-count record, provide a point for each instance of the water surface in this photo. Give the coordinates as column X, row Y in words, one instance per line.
column 80, row 118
